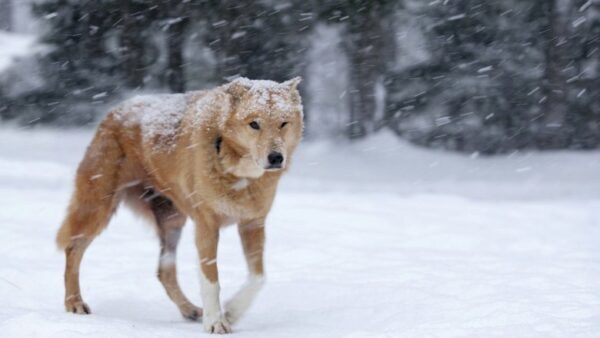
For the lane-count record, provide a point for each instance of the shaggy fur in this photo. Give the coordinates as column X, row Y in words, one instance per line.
column 207, row 155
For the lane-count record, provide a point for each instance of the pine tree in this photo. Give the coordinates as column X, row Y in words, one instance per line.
column 368, row 47
column 78, row 66
column 584, row 94
column 98, row 49
column 255, row 39
column 6, row 15
column 177, row 21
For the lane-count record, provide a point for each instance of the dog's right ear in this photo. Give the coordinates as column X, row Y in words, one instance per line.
column 238, row 87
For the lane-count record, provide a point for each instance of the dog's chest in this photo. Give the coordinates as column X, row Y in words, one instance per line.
column 241, row 199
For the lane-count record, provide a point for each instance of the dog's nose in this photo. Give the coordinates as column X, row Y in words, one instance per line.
column 275, row 159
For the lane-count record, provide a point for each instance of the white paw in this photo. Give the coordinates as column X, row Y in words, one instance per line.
column 232, row 315
column 241, row 301
column 220, row 325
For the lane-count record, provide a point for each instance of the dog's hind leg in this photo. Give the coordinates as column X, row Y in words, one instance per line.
column 170, row 222
column 93, row 202
column 73, row 301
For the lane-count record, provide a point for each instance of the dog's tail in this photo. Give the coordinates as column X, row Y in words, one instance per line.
column 96, row 189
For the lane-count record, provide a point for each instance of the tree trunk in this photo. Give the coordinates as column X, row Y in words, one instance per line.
column 233, row 54
column 364, row 46
column 92, row 36
column 555, row 82
column 6, row 15
column 132, row 47
column 175, row 41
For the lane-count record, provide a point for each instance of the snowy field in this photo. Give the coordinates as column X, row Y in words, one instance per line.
column 374, row 239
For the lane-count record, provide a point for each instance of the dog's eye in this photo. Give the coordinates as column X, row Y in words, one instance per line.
column 283, row 125
column 254, row 125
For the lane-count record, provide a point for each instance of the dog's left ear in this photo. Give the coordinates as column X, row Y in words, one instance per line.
column 293, row 83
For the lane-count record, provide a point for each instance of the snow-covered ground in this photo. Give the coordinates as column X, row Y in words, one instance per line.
column 374, row 239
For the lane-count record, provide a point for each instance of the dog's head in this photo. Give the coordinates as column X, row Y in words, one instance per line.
column 263, row 127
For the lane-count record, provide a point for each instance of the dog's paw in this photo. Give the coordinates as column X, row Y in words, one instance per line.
column 191, row 312
column 241, row 301
column 232, row 316
column 235, row 308
column 76, row 305
column 218, row 326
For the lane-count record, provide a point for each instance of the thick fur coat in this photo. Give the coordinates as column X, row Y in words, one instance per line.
column 214, row 156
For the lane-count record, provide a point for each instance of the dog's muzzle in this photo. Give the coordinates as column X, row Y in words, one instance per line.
column 275, row 160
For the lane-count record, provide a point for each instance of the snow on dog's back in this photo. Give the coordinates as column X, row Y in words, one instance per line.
column 156, row 115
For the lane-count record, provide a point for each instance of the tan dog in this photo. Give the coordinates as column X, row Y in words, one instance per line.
column 215, row 156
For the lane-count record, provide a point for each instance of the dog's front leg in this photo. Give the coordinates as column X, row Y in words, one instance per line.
column 252, row 234
column 207, row 238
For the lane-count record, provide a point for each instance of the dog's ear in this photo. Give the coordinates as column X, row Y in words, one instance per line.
column 238, row 87
column 293, row 83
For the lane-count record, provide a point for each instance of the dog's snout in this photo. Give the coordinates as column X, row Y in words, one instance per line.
column 275, row 159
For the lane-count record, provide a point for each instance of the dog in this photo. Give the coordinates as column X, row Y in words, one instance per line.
column 215, row 156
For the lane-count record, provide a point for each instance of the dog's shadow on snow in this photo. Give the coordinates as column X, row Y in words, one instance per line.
column 139, row 310
column 164, row 314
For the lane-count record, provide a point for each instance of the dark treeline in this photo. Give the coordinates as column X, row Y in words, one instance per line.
column 497, row 76
column 503, row 75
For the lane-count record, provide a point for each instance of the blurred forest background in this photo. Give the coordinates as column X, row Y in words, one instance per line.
column 465, row 75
